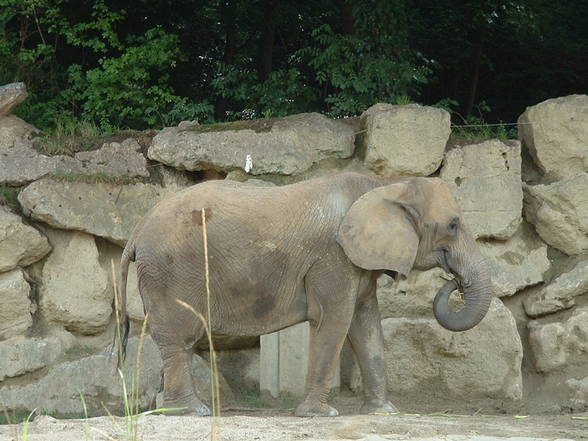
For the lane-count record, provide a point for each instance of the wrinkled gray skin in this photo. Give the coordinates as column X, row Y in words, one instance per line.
column 308, row 251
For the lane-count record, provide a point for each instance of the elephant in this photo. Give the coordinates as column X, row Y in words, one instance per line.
column 309, row 251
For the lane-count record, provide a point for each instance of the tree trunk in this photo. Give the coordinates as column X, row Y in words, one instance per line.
column 266, row 44
column 346, row 11
column 227, row 14
column 475, row 78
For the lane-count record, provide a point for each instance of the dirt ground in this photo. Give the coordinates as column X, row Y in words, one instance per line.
column 280, row 425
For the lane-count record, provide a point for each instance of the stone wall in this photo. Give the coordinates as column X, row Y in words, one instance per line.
column 524, row 200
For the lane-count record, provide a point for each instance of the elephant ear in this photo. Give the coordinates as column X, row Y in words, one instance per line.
column 379, row 230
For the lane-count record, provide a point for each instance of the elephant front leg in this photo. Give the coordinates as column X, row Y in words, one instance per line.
column 178, row 391
column 367, row 341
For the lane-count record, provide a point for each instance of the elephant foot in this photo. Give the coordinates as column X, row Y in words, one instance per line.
column 196, row 411
column 315, row 409
column 191, row 407
column 379, row 408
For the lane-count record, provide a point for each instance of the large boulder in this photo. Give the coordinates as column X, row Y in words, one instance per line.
column 75, row 290
column 94, row 378
column 11, row 95
column 561, row 293
column 114, row 159
column 404, row 140
column 106, row 210
column 22, row 163
column 486, row 181
column 485, row 362
column 282, row 146
column 20, row 355
column 555, row 133
column 411, row 297
column 560, row 344
column 559, row 212
column 17, row 308
column 20, row 244
column 517, row 263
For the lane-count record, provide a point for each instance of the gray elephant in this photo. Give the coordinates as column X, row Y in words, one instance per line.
column 310, row 251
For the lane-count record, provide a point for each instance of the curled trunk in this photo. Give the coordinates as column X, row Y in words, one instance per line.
column 478, row 297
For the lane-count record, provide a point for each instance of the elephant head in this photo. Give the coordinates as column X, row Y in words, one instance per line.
column 416, row 223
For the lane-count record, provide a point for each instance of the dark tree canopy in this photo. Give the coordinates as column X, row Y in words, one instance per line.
column 150, row 63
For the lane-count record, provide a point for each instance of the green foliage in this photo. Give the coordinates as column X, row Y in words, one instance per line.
column 9, row 197
column 130, row 90
column 283, row 93
column 476, row 126
column 360, row 72
column 157, row 65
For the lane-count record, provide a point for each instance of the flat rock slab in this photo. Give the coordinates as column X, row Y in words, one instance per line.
column 283, row 146
column 555, row 133
column 559, row 212
column 518, row 262
column 486, row 181
column 105, row 210
column 21, row 163
column 11, row 95
column 560, row 294
column 267, row 426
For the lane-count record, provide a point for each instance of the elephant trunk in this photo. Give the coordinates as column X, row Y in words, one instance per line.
column 477, row 294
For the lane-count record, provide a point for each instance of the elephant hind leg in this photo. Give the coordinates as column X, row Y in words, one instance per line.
column 329, row 325
column 174, row 329
column 178, row 389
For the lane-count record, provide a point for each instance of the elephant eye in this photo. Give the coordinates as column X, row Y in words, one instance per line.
column 453, row 225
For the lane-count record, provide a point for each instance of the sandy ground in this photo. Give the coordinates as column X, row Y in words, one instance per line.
column 267, row 425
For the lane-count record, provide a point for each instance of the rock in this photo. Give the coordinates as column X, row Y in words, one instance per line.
column 411, row 297
column 110, row 253
column 284, row 146
column 559, row 212
column 484, row 362
column 75, row 289
column 579, row 389
column 555, row 345
column 201, row 375
column 175, row 179
column 404, row 140
column 114, row 159
column 20, row 244
column 240, row 368
column 560, row 294
column 20, row 355
column 21, row 163
column 105, row 210
column 519, row 262
column 486, row 181
column 95, row 378
column 555, row 132
column 16, row 311
column 11, row 95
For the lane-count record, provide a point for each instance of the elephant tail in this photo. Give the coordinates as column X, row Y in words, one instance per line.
column 123, row 324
